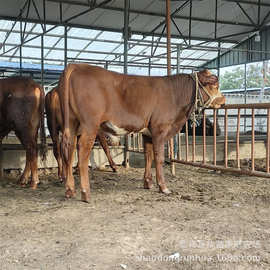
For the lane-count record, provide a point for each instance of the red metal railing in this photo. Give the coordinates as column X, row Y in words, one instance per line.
column 208, row 160
column 224, row 166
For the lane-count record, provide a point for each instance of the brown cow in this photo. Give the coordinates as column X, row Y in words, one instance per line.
column 55, row 122
column 22, row 110
column 92, row 97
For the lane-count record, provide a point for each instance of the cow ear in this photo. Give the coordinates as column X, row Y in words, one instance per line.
column 206, row 77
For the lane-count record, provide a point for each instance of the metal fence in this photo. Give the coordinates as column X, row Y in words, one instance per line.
column 227, row 151
column 230, row 163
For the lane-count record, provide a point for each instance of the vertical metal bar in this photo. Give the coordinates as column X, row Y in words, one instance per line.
column 204, row 136
column 44, row 15
column 125, row 34
column 238, row 139
column 65, row 46
column 215, row 138
column 21, row 37
column 178, row 58
column 149, row 66
column 193, row 141
column 186, row 137
column 179, row 147
column 218, row 59
column 42, row 60
column 134, row 142
column 42, row 43
column 216, row 15
column 141, row 140
column 190, row 21
column 268, row 141
column 61, row 12
column 226, row 139
column 252, row 140
column 259, row 13
column 168, row 25
column 106, row 66
column 245, row 85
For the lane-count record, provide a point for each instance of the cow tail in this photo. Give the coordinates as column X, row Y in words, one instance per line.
column 53, row 115
column 42, row 134
column 64, row 100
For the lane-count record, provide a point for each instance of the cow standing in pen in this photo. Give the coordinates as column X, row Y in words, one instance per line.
column 55, row 123
column 94, row 98
column 22, row 110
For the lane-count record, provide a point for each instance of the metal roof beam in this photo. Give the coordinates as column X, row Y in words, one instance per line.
column 102, row 52
column 156, row 14
column 109, row 29
column 246, row 2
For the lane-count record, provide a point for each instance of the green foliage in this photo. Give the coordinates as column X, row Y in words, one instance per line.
column 234, row 79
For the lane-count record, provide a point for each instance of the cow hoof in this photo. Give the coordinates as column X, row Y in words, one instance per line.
column 165, row 191
column 70, row 193
column 147, row 185
column 34, row 185
column 114, row 169
column 85, row 196
column 22, row 182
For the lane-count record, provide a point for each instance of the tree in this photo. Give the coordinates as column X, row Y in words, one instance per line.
column 234, row 79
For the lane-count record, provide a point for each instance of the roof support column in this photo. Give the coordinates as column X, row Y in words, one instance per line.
column 179, row 47
column 149, row 66
column 126, row 36
column 42, row 43
column 21, row 36
column 65, row 46
column 168, row 25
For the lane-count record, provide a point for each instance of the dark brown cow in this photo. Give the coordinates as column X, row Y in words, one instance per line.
column 22, row 110
column 55, row 122
column 92, row 98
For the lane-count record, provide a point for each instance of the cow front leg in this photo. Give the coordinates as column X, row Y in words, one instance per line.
column 158, row 146
column 85, row 145
column 106, row 149
column 148, row 156
column 68, row 167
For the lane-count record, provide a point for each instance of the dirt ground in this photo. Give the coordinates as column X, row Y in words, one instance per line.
column 211, row 221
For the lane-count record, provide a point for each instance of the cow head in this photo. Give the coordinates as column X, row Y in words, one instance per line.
column 209, row 88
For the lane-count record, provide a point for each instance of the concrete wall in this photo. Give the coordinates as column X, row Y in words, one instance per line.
column 13, row 156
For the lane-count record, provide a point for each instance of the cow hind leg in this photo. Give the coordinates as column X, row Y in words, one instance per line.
column 148, row 156
column 85, row 145
column 23, row 180
column 34, row 165
column 57, row 155
column 106, row 149
column 158, row 146
column 68, row 167
column 31, row 166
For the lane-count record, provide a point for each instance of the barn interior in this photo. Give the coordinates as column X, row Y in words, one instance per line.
column 218, row 212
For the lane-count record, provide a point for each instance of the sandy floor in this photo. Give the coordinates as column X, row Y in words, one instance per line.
column 211, row 221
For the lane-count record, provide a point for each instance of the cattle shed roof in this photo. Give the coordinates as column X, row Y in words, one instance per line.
column 201, row 30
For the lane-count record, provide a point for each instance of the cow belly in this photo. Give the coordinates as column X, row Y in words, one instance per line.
column 111, row 131
column 109, row 127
